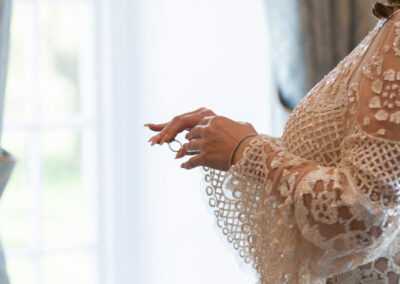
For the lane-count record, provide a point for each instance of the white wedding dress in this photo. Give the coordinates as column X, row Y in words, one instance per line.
column 321, row 204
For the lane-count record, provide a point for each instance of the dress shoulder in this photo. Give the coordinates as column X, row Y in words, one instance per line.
column 379, row 84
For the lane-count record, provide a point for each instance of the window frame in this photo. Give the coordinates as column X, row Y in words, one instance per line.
column 84, row 122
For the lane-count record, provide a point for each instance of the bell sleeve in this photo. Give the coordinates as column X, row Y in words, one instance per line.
column 297, row 221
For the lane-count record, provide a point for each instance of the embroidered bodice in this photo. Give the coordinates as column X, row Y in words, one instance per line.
column 321, row 203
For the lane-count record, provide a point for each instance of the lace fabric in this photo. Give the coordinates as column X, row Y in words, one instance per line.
column 321, row 204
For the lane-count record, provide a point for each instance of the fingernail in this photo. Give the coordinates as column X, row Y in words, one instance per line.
column 146, row 125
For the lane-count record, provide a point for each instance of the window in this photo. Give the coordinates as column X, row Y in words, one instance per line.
column 84, row 76
column 48, row 211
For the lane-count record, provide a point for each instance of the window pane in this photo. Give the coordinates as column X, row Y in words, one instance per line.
column 45, row 209
column 62, row 33
column 20, row 271
column 14, row 204
column 63, row 214
column 69, row 268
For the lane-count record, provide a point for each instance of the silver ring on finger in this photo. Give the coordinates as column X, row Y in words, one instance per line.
column 175, row 145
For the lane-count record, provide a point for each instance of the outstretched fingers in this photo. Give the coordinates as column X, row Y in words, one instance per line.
column 168, row 131
column 181, row 123
column 156, row 127
column 177, row 125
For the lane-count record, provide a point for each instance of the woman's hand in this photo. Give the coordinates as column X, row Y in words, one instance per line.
column 212, row 142
column 179, row 123
column 211, row 138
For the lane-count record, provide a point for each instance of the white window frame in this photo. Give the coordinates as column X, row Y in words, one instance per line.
column 84, row 122
column 121, row 183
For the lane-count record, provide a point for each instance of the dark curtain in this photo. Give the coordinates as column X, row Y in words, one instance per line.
column 309, row 37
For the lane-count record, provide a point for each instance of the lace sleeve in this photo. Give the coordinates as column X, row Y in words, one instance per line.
column 299, row 222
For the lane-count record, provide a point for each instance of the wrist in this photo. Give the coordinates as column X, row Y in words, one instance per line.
column 238, row 151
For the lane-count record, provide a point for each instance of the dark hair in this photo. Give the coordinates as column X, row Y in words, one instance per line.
column 385, row 9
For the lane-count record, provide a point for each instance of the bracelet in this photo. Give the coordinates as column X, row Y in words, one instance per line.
column 237, row 146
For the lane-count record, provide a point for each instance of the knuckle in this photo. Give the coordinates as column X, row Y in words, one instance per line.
column 176, row 118
column 203, row 121
column 168, row 130
column 207, row 131
column 214, row 120
column 210, row 112
column 206, row 111
column 183, row 117
column 217, row 118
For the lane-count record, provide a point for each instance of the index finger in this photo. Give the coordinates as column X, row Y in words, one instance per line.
column 161, row 126
column 156, row 127
column 181, row 123
column 177, row 126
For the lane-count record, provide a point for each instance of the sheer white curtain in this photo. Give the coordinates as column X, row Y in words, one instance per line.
column 160, row 58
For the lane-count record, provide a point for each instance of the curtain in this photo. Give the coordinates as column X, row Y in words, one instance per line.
column 309, row 37
column 6, row 160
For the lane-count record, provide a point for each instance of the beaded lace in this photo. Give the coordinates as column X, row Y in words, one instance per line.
column 321, row 204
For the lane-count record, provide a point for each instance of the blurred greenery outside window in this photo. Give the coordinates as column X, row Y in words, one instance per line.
column 47, row 212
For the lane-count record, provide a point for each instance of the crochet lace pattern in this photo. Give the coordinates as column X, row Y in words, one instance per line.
column 321, row 203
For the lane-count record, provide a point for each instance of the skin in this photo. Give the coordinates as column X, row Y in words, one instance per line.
column 211, row 138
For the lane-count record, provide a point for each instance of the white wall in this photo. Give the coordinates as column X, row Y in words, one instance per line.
column 161, row 58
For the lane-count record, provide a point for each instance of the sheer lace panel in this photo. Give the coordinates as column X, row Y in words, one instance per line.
column 323, row 200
